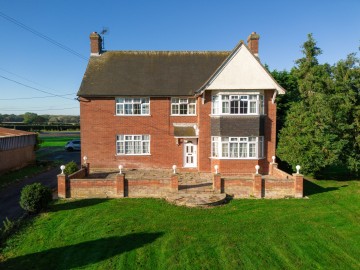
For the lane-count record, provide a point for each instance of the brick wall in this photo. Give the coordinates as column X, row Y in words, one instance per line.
column 16, row 158
column 69, row 187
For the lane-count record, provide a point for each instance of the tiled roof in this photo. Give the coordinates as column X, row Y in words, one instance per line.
column 149, row 73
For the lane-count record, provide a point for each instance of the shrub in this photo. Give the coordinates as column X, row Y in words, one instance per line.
column 35, row 197
column 70, row 168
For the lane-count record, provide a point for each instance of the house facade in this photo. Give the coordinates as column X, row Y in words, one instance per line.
column 192, row 109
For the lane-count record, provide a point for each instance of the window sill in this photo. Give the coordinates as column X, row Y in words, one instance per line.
column 126, row 155
column 227, row 158
column 132, row 115
column 234, row 115
column 181, row 115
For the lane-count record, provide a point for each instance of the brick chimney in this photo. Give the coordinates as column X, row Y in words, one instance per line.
column 95, row 43
column 253, row 43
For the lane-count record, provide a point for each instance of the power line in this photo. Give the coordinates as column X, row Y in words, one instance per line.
column 33, row 31
column 34, row 88
column 52, row 109
column 36, row 97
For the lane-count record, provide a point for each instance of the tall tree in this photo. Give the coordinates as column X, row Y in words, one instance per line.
column 310, row 137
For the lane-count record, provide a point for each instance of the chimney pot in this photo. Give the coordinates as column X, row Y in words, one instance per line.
column 253, row 43
column 95, row 44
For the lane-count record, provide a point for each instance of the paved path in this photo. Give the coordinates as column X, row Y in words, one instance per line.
column 10, row 195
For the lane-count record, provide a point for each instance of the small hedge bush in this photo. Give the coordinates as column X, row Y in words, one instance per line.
column 70, row 168
column 35, row 197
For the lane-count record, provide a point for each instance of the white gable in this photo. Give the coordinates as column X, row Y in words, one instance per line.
column 242, row 71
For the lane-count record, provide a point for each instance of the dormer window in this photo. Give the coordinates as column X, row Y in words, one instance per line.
column 237, row 104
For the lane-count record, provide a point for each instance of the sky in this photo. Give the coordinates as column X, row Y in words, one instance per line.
column 38, row 76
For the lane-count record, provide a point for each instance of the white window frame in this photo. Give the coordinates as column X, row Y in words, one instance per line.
column 133, row 145
column 232, row 104
column 237, row 147
column 124, row 105
column 178, row 102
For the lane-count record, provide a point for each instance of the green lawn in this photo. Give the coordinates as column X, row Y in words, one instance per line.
column 49, row 141
column 321, row 232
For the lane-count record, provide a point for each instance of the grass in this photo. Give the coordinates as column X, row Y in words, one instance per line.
column 321, row 232
column 59, row 141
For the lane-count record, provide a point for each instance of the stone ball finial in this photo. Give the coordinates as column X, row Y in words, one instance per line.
column 298, row 169
column 216, row 167
column 62, row 168
column 257, row 167
column 174, row 168
column 120, row 169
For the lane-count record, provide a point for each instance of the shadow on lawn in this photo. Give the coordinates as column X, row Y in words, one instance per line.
column 82, row 254
column 70, row 205
column 311, row 188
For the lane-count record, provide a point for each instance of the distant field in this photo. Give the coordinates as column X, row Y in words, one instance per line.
column 57, row 141
column 321, row 232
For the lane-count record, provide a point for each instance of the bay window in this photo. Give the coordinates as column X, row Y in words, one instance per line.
column 237, row 147
column 237, row 104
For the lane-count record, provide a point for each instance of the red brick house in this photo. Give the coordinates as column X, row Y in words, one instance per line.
column 192, row 109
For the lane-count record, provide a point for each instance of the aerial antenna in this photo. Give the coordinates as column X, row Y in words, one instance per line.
column 103, row 32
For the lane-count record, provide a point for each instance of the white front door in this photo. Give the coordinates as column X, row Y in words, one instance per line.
column 190, row 154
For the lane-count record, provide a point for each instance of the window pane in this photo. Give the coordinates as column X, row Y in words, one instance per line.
column 174, row 109
column 146, row 147
column 146, row 137
column 225, row 107
column 234, row 153
column 192, row 109
column 191, row 100
column 145, row 108
column 119, row 108
column 137, row 147
column 183, row 108
column 174, row 100
column 253, row 97
column 261, row 104
column 252, row 150
column 183, row 100
column 252, row 139
column 137, row 137
column 243, row 107
column 243, row 150
column 120, row 100
column 137, row 108
column 234, row 107
column 145, row 100
column 128, row 108
column 129, row 147
column 253, row 106
column 225, row 97
column 215, row 104
column 225, row 150
column 127, row 138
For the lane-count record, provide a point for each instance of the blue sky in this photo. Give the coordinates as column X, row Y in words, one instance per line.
column 155, row 25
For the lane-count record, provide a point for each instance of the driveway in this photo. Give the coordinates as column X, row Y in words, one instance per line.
column 10, row 195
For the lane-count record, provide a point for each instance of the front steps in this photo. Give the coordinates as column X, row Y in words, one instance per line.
column 196, row 190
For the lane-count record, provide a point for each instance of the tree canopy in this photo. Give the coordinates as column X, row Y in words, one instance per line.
column 320, row 120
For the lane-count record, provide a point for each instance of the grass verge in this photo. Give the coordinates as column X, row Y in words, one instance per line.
column 321, row 232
